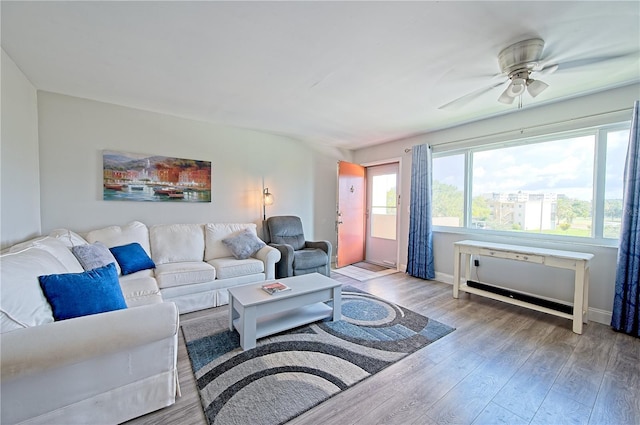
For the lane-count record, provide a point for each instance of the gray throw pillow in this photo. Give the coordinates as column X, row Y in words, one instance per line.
column 244, row 244
column 92, row 256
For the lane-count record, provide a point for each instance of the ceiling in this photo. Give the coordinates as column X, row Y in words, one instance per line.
column 343, row 74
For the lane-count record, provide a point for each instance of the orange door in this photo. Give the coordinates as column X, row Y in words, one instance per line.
column 351, row 213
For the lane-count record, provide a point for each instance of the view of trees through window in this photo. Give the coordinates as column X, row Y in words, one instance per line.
column 543, row 187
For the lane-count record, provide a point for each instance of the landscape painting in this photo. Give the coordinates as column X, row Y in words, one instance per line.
column 154, row 178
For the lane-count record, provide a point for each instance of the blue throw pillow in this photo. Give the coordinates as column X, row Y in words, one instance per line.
column 81, row 294
column 132, row 258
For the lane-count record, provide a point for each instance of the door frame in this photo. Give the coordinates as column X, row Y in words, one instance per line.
column 401, row 201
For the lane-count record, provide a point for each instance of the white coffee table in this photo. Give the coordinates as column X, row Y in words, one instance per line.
column 255, row 314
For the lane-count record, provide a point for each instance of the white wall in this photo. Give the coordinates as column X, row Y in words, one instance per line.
column 73, row 133
column 19, row 174
column 594, row 109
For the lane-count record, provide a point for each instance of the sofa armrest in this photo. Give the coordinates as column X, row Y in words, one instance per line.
column 284, row 268
column 323, row 245
column 269, row 256
column 40, row 348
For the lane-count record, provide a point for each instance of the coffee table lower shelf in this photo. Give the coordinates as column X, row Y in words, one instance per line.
column 274, row 323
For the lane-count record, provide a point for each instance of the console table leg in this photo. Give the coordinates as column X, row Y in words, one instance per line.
column 578, row 299
column 586, row 296
column 456, row 271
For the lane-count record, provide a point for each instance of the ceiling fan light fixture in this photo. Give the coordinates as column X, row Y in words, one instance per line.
column 517, row 87
column 505, row 97
column 535, row 87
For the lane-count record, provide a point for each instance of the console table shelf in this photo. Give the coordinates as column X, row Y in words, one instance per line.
column 576, row 261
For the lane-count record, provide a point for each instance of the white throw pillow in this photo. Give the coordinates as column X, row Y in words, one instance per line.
column 23, row 303
column 174, row 243
column 67, row 237
column 55, row 247
column 122, row 235
column 216, row 232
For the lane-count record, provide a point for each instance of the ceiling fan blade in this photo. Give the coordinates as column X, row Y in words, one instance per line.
column 563, row 66
column 461, row 101
column 547, row 70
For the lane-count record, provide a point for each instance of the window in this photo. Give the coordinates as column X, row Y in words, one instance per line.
column 617, row 143
column 384, row 206
column 567, row 186
column 448, row 191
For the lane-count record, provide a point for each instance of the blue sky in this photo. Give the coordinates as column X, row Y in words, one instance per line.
column 561, row 166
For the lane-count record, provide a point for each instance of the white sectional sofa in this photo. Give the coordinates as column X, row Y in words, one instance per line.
column 111, row 366
column 194, row 268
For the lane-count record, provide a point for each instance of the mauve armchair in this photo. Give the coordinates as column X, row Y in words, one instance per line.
column 298, row 256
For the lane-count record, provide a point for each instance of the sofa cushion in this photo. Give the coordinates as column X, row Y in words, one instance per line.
column 121, row 235
column 174, row 243
column 244, row 244
column 81, row 294
column 229, row 267
column 69, row 238
column 132, row 258
column 216, row 232
column 55, row 247
column 140, row 289
column 185, row 273
column 23, row 303
column 94, row 255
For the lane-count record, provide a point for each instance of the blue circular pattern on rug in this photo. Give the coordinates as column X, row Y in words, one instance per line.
column 362, row 309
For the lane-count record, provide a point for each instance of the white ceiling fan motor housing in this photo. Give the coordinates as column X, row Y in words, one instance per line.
column 523, row 55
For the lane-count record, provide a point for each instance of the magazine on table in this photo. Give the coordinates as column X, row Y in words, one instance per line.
column 275, row 287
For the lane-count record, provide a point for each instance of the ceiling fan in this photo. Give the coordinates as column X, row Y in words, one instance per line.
column 518, row 62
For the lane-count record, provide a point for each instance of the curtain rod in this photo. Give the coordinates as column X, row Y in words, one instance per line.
column 523, row 129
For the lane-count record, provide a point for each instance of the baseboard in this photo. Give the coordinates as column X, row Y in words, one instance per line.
column 443, row 277
column 595, row 314
column 600, row 316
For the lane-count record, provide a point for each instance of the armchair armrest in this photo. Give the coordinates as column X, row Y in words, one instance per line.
column 323, row 245
column 269, row 256
column 284, row 267
column 75, row 340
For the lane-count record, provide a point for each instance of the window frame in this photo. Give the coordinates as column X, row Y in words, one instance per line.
column 598, row 178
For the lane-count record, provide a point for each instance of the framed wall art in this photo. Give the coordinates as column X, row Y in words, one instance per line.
column 154, row 178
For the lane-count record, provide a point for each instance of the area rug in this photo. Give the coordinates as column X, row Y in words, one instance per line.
column 370, row 266
column 362, row 274
column 291, row 372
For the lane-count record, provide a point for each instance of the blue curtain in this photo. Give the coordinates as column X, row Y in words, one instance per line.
column 420, row 258
column 626, row 304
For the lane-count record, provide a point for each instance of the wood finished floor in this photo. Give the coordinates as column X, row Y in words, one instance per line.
column 503, row 365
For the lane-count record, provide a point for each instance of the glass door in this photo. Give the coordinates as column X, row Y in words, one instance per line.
column 382, row 214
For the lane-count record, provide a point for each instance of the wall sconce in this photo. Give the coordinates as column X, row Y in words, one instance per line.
column 267, row 199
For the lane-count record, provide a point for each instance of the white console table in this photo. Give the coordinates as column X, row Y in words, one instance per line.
column 576, row 261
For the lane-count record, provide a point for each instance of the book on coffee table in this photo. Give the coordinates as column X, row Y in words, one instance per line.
column 274, row 288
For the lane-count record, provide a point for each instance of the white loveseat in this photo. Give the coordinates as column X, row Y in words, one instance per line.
column 110, row 367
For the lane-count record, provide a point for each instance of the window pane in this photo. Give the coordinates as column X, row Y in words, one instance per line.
column 383, row 206
column 541, row 187
column 448, row 191
column 617, row 143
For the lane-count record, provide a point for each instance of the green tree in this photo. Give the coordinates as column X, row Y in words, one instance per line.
column 565, row 211
column 392, row 200
column 581, row 208
column 448, row 200
column 613, row 209
column 480, row 208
